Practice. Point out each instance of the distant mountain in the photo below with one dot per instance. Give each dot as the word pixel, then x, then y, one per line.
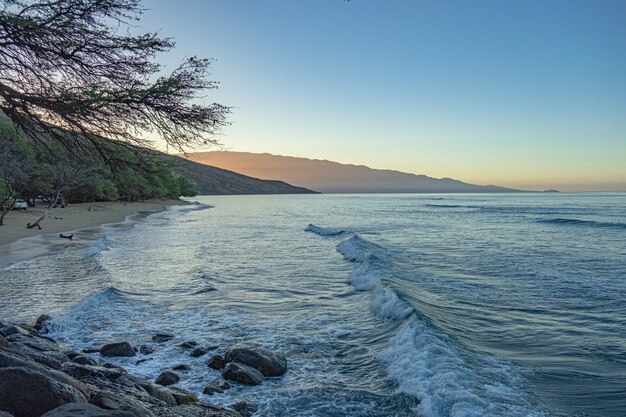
pixel 332 177
pixel 209 180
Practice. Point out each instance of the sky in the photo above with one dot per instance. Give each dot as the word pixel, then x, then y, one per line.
pixel 526 94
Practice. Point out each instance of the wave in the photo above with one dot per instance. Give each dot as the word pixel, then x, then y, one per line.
pixel 100 246
pixel 450 206
pixel 586 223
pixel 324 231
pixel 195 206
pixel 422 360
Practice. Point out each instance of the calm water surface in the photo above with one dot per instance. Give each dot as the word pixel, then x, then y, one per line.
pixel 387 305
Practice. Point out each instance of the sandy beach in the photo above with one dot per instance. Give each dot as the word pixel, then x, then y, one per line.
pixel 74 217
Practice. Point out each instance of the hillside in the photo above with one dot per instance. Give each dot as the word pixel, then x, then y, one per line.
pixel 332 177
pixel 209 180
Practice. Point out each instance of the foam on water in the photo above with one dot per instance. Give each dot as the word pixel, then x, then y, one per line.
pixel 324 231
pixel 422 360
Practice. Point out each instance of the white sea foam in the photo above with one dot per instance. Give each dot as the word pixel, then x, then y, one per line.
pixel 324 231
pixel 424 363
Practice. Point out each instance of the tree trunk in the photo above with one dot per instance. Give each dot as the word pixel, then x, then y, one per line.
pixel 45 213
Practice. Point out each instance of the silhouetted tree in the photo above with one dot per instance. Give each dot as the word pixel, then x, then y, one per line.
pixel 70 70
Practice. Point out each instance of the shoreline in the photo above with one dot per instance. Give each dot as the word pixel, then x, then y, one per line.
pixel 74 217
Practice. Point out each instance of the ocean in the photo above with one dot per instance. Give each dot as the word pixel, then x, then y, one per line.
pixel 384 305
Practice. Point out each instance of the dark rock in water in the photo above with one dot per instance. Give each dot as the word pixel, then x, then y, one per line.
pixel 40 343
pixel 146 350
pixel 27 393
pixel 90 349
pixel 217 385
pixel 244 409
pixel 181 396
pixel 188 345
pixel 117 349
pixel 85 410
pixel 40 324
pixel 155 391
pixel 266 362
pixel 111 401
pixel 181 367
pixel 143 360
pixel 242 373
pixel 167 377
pixel 197 352
pixel 83 360
pixel 12 329
pixel 71 354
pixel 162 337
pixel 217 362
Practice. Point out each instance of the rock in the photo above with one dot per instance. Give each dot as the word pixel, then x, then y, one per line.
pixel 71 354
pixel 242 373
pixel 37 342
pixel 162 337
pixel 167 377
pixel 40 324
pixel 188 345
pixel 27 393
pixel 244 409
pixel 217 362
pixel 83 360
pixel 266 362
pixel 28 328
pixel 196 410
pixel 197 352
pixel 155 391
pixel 85 410
pixel 78 371
pixel 143 360
pixel 146 350
pixel 117 349
pixel 3 342
pixel 217 385
pixel 90 349
pixel 181 396
pixel 11 359
pixel 12 329
pixel 111 401
pixel 182 367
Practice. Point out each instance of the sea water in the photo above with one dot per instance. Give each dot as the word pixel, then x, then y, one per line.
pixel 384 305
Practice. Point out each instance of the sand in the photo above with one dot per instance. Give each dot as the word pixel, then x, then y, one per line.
pixel 73 217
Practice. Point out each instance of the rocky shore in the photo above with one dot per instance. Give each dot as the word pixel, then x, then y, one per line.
pixel 40 377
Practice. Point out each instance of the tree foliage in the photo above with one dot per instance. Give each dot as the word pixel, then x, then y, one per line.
pixel 71 71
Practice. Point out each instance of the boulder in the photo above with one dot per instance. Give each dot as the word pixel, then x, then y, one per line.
pixel 162 337
pixel 37 342
pixel 146 350
pixel 78 371
pixel 217 385
pixel 83 360
pixel 153 390
pixel 266 362
pixel 11 359
pixel 12 329
pixel 90 349
pixel 181 396
pixel 28 393
pixel 216 362
pixel 117 349
pixel 189 344
pixel 40 324
pixel 244 409
pixel 167 377
pixel 242 373
pixel 111 401
pixel 181 367
pixel 85 410
pixel 199 351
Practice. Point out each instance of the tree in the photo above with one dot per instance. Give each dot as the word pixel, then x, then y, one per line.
pixel 71 71
pixel 15 167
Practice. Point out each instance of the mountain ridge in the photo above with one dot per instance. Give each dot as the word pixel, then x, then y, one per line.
pixel 333 177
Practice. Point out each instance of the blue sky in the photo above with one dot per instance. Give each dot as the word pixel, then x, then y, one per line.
pixel 526 94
